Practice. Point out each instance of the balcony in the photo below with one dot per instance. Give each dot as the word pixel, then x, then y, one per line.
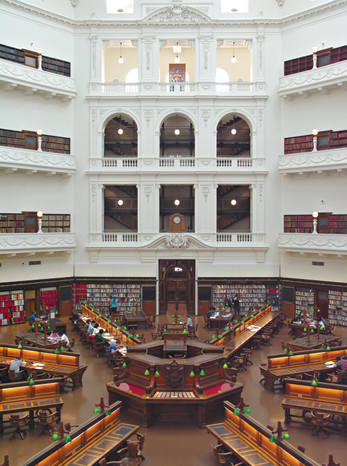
pixel 321 79
pixel 34 81
pixel 192 89
pixel 34 243
pixel 318 161
pixel 15 160
pixel 178 164
pixel 205 243
pixel 306 243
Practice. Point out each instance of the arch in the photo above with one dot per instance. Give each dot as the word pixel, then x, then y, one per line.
pixel 173 112
pixel 132 76
pixel 222 76
pixel 240 113
pixel 112 113
pixel 233 136
pixel 180 144
pixel 121 136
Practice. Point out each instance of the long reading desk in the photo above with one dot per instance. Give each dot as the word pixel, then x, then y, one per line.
pixel 250 442
pixel 325 398
pixel 95 439
pixel 280 366
pixel 61 364
pixel 21 397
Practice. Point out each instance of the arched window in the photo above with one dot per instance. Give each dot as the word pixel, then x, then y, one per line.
pixel 132 76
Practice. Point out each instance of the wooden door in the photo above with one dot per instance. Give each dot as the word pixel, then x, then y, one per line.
pixel 322 303
pixel 177 286
pixel 30 222
pixel 204 299
pixel 149 300
pixel 288 301
pixel 323 222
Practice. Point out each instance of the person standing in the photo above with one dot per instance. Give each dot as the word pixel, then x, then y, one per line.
pixel 114 301
pixel 189 323
pixel 236 303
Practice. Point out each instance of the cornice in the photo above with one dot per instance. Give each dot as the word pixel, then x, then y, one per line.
pixel 211 22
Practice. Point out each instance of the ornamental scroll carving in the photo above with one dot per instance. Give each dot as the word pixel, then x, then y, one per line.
pixel 174 374
pixel 176 241
pixel 178 14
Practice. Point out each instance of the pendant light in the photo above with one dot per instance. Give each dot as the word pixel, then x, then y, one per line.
pixel 177 59
pixel 233 60
pixel 177 131
pixel 120 59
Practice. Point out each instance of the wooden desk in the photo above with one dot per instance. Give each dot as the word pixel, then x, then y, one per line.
pixel 62 364
pixel 174 346
pixel 149 372
pixel 39 341
pixel 21 397
pixel 138 321
pixel 111 327
pixel 301 344
pixel 250 442
pixel 220 321
pixel 96 439
pixel 326 398
pixel 297 328
pixel 281 366
pixel 60 325
pixel 237 337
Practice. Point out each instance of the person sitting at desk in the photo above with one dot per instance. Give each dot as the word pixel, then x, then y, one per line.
pixel 341 364
pixel 86 326
pixel 91 327
pixel 63 337
pixel 99 338
pixel 189 323
pixel 114 347
pixel 32 317
pixel 16 365
pixel 211 312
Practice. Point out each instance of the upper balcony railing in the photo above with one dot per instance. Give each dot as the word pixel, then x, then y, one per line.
pixel 178 163
pixel 34 243
pixel 241 89
pixel 318 72
pixel 306 243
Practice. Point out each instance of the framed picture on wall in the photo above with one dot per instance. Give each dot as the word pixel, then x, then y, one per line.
pixel 177 73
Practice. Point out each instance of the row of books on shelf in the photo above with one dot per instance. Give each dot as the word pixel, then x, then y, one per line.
pixel 90 286
pixel 237 287
pixel 14 320
pixel 18 302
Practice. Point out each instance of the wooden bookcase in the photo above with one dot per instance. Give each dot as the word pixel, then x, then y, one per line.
pixel 11 223
pixel 30 58
pixel 324 57
pixel 325 140
pixel 56 223
pixel 12 307
pixel 337 224
pixel 28 140
pixel 250 295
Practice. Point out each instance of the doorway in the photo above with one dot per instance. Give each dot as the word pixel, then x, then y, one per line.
pixel 322 303
pixel 177 286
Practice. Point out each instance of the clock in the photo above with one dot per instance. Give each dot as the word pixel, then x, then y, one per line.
pixel 177 219
pixel 176 223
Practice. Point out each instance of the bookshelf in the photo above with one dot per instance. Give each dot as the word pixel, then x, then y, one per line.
pixel 304 300
pixel 324 57
pixel 337 307
pixel 52 65
pixel 99 295
pixel 48 298
pixel 28 140
pixel 325 140
pixel 250 296
pixel 303 224
pixel 11 223
pixel 12 307
pixel 55 223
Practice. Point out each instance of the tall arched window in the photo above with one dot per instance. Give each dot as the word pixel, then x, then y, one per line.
pixel 121 137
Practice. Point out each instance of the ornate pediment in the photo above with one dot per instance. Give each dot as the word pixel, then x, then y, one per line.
pixel 174 374
pixel 177 241
pixel 177 14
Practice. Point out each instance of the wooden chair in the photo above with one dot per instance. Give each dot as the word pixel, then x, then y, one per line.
pixel 224 457
pixel 241 362
pixel 46 419
pixel 207 324
pixel 141 442
pixel 256 340
pixel 330 329
pixel 18 422
pixel 320 421
pixel 130 452
pixel 39 375
pixel 150 322
pixel 16 376
pixel 99 348
pixel 155 335
pixel 72 344
pixel 334 378
pixel 3 374
pixel 247 353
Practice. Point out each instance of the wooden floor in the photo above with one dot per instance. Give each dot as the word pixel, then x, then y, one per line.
pixel 174 444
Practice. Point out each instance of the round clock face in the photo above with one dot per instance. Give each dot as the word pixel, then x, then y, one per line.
pixel 177 220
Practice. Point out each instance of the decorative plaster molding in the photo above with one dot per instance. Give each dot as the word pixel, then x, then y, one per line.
pixel 74 2
pixel 334 159
pixel 206 191
pixel 177 14
pixel 27 241
pixel 325 75
pixel 280 2
pixel 26 76
pixel 35 159
pixel 324 244
pixel 177 241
